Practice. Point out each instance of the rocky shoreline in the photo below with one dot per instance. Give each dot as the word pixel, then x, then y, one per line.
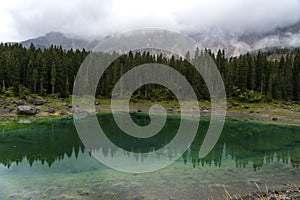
pixel 39 107
pixel 285 193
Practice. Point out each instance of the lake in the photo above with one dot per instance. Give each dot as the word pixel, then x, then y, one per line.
pixel 48 161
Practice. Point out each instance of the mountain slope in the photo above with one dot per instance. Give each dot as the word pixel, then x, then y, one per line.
pixel 214 39
pixel 234 44
pixel 59 39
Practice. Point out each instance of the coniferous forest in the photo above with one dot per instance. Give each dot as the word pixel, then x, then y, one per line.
pixel 250 78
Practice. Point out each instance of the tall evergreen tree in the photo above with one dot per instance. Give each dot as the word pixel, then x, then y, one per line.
pixel 53 77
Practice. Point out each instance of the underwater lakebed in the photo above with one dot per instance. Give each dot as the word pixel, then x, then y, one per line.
pixel 48 161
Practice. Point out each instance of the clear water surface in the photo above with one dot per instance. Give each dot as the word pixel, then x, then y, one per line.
pixel 48 161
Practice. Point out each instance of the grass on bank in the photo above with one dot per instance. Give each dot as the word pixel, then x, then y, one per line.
pixel 268 110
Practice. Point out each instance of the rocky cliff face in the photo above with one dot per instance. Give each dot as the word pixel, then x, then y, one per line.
pixel 236 44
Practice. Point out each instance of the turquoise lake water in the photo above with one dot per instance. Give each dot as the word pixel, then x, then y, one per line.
pixel 48 161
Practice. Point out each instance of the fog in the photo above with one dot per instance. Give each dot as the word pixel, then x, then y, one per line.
pixel 23 19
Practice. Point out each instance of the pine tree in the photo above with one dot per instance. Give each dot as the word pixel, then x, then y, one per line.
pixel 260 65
pixel 53 77
pixel 296 77
pixel 288 79
pixel 276 82
pixel 251 72
pixel 35 76
pixel 242 73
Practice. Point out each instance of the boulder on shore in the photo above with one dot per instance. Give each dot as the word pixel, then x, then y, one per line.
pixel 63 112
pixel 20 102
pixel 246 106
pixel 51 110
pixel 26 110
pixel 36 102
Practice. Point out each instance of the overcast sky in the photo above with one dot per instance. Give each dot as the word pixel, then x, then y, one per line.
pixel 23 19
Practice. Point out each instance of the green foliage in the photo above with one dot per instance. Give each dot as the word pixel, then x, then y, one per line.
pixel 9 92
pixel 247 95
pixel 249 78
pixel 23 92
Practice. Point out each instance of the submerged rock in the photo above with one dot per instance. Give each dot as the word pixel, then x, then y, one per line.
pixel 205 111
pixel 24 121
pixel 83 193
pixel 26 110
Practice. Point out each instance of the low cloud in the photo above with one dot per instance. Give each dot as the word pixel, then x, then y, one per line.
pixel 23 19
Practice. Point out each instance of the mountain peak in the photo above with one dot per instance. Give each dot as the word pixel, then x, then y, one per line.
pixel 59 39
pixel 54 34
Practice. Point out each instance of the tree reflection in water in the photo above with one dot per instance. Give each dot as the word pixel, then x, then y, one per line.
pixel 245 142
